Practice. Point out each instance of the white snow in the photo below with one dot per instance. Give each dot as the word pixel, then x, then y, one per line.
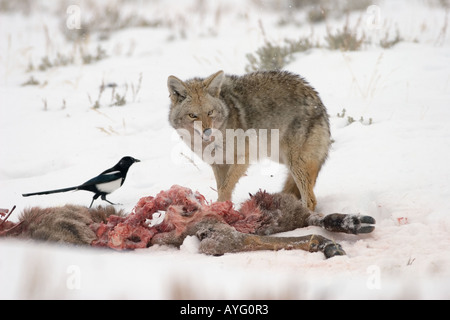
pixel 395 169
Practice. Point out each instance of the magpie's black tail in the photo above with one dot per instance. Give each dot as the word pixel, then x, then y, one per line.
pixel 49 192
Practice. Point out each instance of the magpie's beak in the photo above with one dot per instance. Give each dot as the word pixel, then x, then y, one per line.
pixel 137 160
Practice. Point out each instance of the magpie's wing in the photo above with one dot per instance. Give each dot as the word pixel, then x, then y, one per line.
pixel 110 170
pixel 103 178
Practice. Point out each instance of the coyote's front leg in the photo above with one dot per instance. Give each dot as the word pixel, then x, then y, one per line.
pixel 227 175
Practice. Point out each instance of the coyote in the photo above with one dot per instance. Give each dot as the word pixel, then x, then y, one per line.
pixel 269 100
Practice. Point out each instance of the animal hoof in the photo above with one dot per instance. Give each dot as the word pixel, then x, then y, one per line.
pixel 333 249
pixel 366 224
pixel 354 224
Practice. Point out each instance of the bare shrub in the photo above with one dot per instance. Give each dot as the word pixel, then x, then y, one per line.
pixel 275 57
pixel 345 39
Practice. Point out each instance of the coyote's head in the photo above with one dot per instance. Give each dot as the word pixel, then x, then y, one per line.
pixel 197 100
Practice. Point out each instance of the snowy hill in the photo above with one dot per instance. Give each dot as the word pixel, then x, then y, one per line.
pixel 74 101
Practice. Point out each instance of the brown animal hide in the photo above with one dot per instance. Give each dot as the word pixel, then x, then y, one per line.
pixel 70 223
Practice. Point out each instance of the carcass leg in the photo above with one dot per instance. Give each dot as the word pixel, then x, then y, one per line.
pixel 218 239
pixel 346 223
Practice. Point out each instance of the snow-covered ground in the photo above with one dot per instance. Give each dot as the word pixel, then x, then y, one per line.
pixel 395 169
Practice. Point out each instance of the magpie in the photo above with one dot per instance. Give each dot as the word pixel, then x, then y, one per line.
pixel 105 183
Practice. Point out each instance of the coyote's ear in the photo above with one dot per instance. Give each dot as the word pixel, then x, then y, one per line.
pixel 214 83
pixel 177 89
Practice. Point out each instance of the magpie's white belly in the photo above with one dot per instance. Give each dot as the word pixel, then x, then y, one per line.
pixel 109 186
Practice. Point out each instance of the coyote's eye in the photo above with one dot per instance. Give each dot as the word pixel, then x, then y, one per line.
pixel 192 116
pixel 210 113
